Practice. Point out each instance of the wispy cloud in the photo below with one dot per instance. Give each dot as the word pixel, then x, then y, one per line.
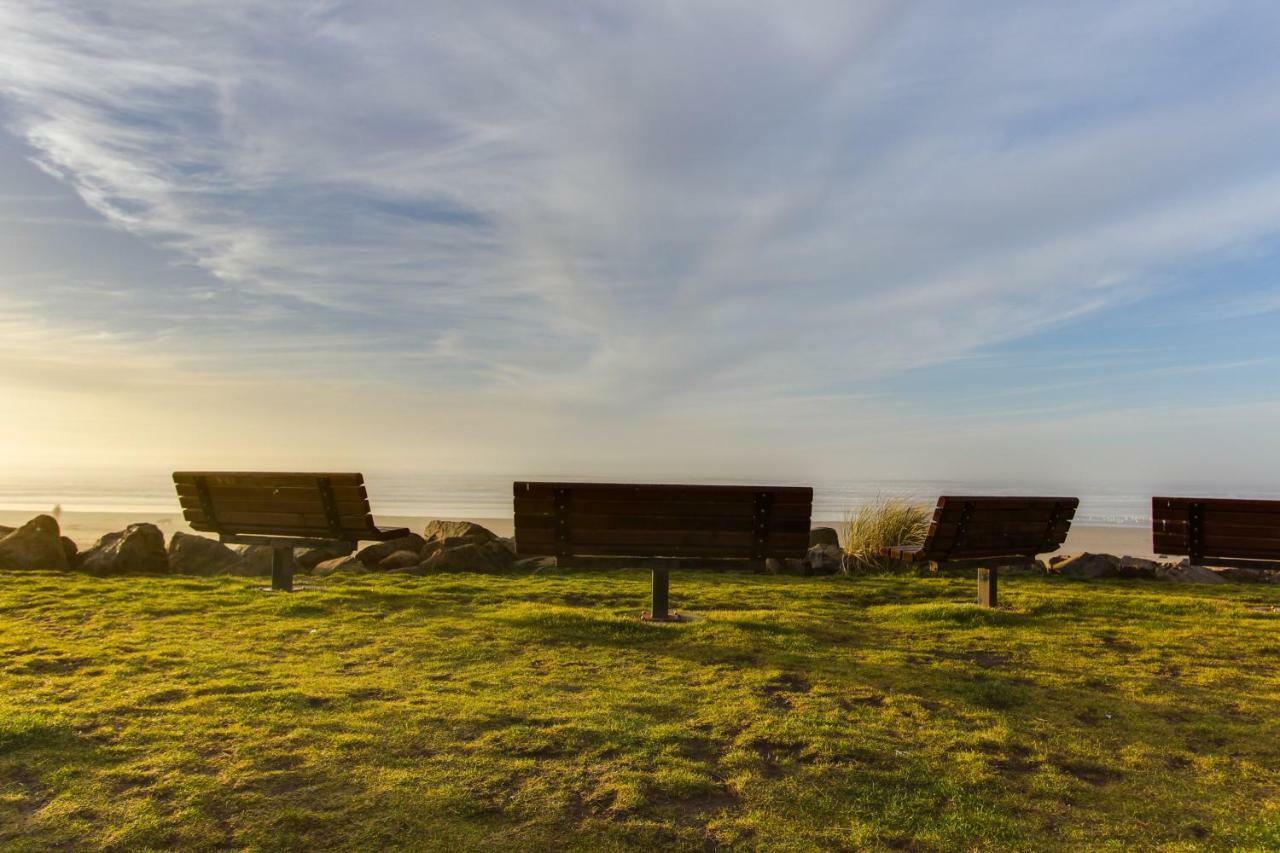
pixel 610 208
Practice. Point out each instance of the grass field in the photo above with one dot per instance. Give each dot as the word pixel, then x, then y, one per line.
pixel 524 713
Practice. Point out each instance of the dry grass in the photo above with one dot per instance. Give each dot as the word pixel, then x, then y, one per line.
pixel 883 523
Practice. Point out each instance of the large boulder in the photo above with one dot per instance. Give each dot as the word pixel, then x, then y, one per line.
pixel 199 555
pixel 35 545
pixel 466 530
pixel 824 536
pixel 374 554
pixel 1185 572
pixel 399 560
pixel 1138 567
pixel 349 564
pixel 825 559
pixel 486 558
pixel 1088 566
pixel 71 550
pixel 306 559
pixel 138 549
pixel 255 561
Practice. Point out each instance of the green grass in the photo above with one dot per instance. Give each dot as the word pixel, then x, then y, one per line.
pixel 464 712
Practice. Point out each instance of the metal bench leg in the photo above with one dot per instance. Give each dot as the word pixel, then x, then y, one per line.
pixel 282 568
pixel 661 586
pixel 986 587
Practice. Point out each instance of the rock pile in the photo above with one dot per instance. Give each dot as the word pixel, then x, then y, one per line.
pixel 457 546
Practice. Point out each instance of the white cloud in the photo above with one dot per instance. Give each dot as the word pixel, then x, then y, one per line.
pixel 604 212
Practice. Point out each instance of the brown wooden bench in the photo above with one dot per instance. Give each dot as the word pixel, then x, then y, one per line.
pixel 1218 531
pixel 989 532
pixel 282 510
pixel 698 524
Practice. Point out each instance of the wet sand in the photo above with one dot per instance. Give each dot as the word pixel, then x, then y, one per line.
pixel 85 527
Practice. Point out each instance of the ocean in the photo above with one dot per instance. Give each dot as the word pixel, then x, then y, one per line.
pixel 454 495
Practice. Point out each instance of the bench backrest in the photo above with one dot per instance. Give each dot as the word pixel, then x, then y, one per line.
pixel 1217 531
pixel 628 520
pixel 974 528
pixel 304 505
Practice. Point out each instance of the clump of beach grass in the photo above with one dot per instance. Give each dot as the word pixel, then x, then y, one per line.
pixel 885 522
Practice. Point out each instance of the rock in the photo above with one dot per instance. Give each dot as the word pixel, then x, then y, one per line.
pixel 1242 575
pixel 431 547
pixel 1185 572
pixel 306 559
pixel 825 559
pixel 138 549
pixel 349 564
pixel 35 545
pixel 5 531
pixel 824 536
pixel 415 569
pixel 535 564
pixel 774 566
pixel 255 561
pixel 1089 566
pixel 472 533
pixel 508 542
pixel 1032 567
pixel 1137 567
pixel 486 558
pixel 69 548
pixel 1058 558
pixel 199 555
pixel 399 560
pixel 374 554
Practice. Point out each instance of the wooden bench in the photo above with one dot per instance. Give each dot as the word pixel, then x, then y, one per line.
pixel 284 511
pixel 1241 534
pixel 702 524
pixel 989 532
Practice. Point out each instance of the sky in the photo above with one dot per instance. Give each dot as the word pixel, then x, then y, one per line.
pixel 1000 241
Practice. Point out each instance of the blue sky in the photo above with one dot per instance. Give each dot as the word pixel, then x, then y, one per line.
pixel 1015 241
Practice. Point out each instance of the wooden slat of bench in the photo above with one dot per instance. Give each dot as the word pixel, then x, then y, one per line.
pixel 266 493
pixel 308 521
pixel 661 522
pixel 266 479
pixel 654 509
pixel 646 552
pixel 313 507
pixel 953 512
pixel 663 492
pixel 1222 504
pixel 371 534
pixel 584 538
pixel 1216 518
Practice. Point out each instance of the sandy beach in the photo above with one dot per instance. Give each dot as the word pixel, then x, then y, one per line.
pixel 85 527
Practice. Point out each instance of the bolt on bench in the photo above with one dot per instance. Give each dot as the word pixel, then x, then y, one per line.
pixel 1242 534
pixel 989 532
pixel 705 525
pixel 281 510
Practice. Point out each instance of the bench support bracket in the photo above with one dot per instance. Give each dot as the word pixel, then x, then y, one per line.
pixel 987 587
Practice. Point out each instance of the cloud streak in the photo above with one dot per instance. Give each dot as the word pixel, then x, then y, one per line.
pixel 611 208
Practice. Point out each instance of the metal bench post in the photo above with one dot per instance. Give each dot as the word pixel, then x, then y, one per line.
pixel 661 586
pixel 282 568
pixel 987 587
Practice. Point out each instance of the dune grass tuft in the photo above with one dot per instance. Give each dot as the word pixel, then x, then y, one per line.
pixel 883 523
